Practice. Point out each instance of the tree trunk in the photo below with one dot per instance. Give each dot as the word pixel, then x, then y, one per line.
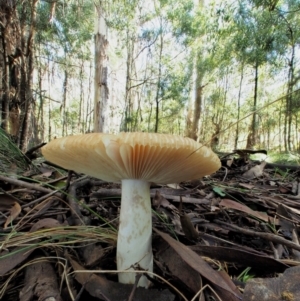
pixel 40 129
pixel 237 132
pixel 197 108
pixel 127 122
pixel 81 99
pixel 289 108
pixel 158 87
pixel 17 40
pixel 26 128
pixel 195 104
pixel 88 119
pixel 10 50
pixel 101 74
pixel 64 106
pixel 253 135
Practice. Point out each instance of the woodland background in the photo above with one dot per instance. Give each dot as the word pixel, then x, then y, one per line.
pixel 221 72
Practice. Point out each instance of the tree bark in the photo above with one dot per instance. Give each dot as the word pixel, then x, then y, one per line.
pixel 63 108
pixel 101 74
pixel 157 100
pixel 127 123
pixel 26 82
pixel 253 135
pixel 10 50
pixel 195 110
pixel 289 108
pixel 237 131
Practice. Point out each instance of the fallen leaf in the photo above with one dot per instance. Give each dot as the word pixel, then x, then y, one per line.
pixel 177 267
pixel 40 281
pixel 159 200
pixel 14 213
pixel 45 223
pixel 188 228
pixel 6 201
pixel 238 206
pixel 255 172
pixel 98 286
pixel 257 261
pixel 245 185
pixel 203 268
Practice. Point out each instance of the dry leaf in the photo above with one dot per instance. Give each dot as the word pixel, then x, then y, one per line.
pixel 248 186
pixel 40 280
pixel 177 267
pixel 255 172
pixel 203 268
pixel 188 227
pixel 101 288
pixel 6 201
pixel 238 206
pixel 45 223
pixel 14 213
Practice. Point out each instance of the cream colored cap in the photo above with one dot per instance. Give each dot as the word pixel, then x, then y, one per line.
pixel 159 158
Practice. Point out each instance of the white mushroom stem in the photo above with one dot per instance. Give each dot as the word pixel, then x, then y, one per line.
pixel 135 231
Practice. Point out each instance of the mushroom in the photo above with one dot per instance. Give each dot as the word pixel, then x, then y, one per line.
pixel 135 159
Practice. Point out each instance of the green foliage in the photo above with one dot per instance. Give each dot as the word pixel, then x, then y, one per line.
pixel 289 158
pixel 245 276
pixel 160 42
pixel 12 160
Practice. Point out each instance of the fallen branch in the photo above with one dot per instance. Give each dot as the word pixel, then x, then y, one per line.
pixel 267 236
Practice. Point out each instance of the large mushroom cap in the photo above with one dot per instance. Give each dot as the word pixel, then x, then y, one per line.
pixel 160 158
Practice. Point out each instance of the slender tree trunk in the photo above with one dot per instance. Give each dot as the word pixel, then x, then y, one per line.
pixel 191 100
pixel 127 123
pixel 40 117
pixel 194 113
pixel 150 116
pixel 64 106
pixel 280 127
pixel 197 108
pixel 253 135
pixel 101 74
pixel 81 98
pixel 10 49
pixel 297 144
pixel 237 132
pixel 158 87
pixel 88 114
pixel 5 82
pixel 50 104
pixel 289 101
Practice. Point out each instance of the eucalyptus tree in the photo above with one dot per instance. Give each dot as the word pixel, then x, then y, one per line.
pixel 101 89
pixel 289 14
pixel 148 56
pixel 64 47
pixel 256 40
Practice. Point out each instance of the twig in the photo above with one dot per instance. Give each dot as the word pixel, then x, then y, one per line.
pixel 25 184
pixel 40 199
pixel 137 279
pixel 79 293
pixel 267 236
pixel 73 201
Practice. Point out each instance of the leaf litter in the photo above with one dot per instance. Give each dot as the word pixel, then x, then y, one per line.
pixel 230 236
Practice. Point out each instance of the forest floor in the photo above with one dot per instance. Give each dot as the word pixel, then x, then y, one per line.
pixel 230 236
